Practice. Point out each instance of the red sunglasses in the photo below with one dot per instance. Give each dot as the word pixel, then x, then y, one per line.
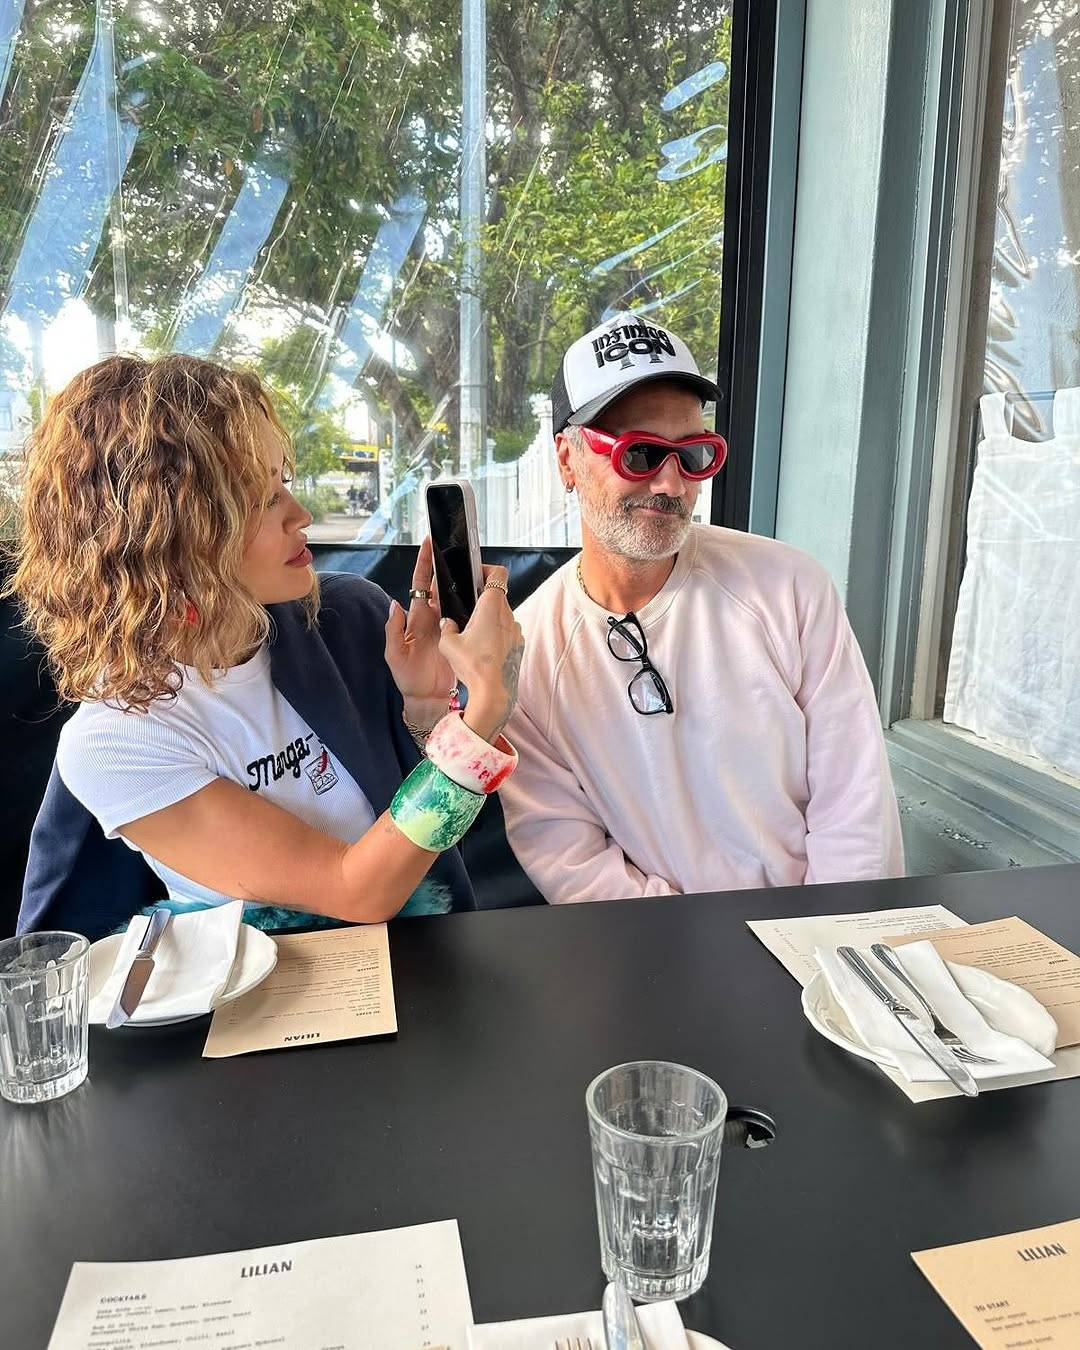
pixel 638 455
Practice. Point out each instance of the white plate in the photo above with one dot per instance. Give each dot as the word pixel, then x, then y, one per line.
pixel 256 957
pixel 826 1016
pixel 1005 1006
pixel 699 1341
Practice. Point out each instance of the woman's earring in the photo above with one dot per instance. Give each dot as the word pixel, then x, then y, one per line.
pixel 191 614
pixel 569 487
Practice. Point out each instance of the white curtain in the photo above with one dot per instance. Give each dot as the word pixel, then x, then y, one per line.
pixel 1014 667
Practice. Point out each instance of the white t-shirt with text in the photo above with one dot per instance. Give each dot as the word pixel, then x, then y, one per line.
pixel 124 765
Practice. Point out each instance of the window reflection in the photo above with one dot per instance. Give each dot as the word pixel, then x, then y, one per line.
pixel 277 183
pixel 1014 661
pixel 1034 318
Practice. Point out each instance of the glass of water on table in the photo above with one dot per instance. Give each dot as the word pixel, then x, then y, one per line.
pixel 656 1131
pixel 43 1015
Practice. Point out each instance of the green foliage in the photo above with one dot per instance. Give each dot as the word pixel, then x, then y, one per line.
pixel 320 500
pixel 510 443
pixel 356 102
pixel 316 438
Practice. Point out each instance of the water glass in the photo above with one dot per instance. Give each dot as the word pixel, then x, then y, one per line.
pixel 656 1132
pixel 43 1012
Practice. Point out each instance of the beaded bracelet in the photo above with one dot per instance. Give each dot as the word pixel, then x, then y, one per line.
pixel 433 811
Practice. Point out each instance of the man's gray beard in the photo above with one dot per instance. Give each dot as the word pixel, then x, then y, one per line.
pixel 631 535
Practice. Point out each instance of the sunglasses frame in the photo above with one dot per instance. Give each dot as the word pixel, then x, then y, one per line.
pixel 617 447
pixel 633 634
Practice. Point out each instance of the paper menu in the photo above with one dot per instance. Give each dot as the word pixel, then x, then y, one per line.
pixel 792 941
pixel 403 1289
pixel 1013 950
pixel 1022 1289
pixel 327 986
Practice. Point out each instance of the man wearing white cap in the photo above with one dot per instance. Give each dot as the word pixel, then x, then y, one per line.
pixel 693 712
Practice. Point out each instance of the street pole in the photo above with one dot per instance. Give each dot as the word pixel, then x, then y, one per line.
pixel 110 115
pixel 472 378
pixel 395 513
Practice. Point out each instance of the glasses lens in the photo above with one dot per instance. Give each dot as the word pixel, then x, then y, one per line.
pixel 625 641
pixel 697 458
pixel 647 693
pixel 643 457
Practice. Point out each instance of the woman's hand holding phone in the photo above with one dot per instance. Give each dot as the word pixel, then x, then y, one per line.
pixel 486 656
pixel 422 674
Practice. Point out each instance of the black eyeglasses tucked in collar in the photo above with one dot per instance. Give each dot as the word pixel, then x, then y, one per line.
pixel 647 690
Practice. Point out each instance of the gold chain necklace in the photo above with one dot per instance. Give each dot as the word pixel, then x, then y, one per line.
pixel 581 579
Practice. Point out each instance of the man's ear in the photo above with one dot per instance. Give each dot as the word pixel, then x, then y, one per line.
pixel 564 453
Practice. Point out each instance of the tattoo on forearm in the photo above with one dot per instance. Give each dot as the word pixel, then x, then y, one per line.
pixel 510 672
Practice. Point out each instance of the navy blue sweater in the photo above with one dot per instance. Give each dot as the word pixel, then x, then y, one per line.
pixel 337 680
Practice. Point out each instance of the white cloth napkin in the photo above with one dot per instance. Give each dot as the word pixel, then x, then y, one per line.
pixel 882 1033
pixel 661 1327
pixel 192 964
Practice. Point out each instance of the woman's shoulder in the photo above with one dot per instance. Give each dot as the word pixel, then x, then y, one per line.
pixel 94 718
pixel 351 608
pixel 345 593
pixel 352 611
pixel 101 743
pixel 103 725
pixel 349 626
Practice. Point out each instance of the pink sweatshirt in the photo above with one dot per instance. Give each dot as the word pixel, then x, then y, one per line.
pixel 771 772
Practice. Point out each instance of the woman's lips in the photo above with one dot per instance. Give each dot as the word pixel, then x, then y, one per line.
pixel 301 559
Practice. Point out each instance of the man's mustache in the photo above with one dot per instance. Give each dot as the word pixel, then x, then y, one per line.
pixel 659 502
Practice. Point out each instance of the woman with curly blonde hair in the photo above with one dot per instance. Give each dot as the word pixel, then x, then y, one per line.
pixel 241 731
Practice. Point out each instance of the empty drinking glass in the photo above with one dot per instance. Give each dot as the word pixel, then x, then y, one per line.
pixel 43 1011
pixel 656 1132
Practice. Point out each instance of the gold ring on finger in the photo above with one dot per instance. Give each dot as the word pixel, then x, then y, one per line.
pixel 418 593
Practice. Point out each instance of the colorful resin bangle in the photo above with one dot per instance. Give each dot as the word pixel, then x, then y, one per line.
pixel 432 810
pixel 466 758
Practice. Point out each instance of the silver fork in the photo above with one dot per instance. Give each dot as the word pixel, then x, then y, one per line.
pixel 888 959
pixel 576 1344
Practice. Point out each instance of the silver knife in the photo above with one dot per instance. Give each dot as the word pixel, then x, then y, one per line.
pixel 621 1327
pixel 942 1056
pixel 891 963
pixel 140 970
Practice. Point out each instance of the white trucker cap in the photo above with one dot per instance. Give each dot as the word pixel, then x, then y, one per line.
pixel 614 357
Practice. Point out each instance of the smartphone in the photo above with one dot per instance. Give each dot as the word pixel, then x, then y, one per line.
pixel 455 547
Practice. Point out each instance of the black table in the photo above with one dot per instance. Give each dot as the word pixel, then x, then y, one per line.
pixel 476 1112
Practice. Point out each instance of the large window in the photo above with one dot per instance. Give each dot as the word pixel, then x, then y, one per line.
pixel 1012 673
pixel 281 184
